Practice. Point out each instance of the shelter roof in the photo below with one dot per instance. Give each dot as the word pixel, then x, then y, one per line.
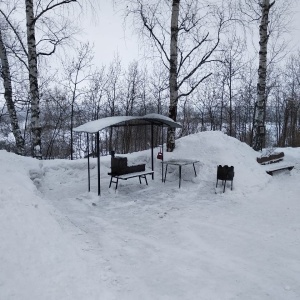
pixel 97 125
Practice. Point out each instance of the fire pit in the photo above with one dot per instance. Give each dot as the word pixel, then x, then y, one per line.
pixel 225 174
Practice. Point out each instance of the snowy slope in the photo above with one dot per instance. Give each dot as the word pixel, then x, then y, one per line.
pixel 155 241
pixel 38 260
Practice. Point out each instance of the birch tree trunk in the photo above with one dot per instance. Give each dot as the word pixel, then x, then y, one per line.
pixel 259 117
pixel 5 73
pixel 173 73
pixel 33 81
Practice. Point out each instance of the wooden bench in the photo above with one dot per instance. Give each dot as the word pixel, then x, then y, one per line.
pixel 270 159
pixel 127 176
pixel 280 168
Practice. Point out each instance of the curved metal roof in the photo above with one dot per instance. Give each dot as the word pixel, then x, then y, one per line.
pixel 97 125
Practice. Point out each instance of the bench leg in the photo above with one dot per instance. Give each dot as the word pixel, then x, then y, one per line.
pixel 116 182
pixel 224 186
pixel 195 170
pixel 145 177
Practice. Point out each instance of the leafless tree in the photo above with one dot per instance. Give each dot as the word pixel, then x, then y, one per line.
pixel 42 20
pixel 192 37
pixel 113 94
pixel 78 72
pixel 259 117
pixel 233 61
pixel 8 95
pixel 274 20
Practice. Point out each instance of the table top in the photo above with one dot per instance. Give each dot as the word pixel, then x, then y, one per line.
pixel 179 161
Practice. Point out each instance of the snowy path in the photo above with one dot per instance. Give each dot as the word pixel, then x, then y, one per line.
pixel 159 242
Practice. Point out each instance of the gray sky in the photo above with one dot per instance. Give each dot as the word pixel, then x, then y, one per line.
pixel 110 38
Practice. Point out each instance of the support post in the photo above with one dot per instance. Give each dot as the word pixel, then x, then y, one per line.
pixel 152 160
pixel 162 151
pixel 98 163
pixel 88 157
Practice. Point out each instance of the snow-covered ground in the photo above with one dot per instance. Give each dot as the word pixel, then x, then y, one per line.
pixel 151 242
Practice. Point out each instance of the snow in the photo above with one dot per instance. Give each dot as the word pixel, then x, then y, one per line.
pixel 97 125
pixel 151 242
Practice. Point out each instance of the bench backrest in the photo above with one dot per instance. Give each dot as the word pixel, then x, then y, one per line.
pixel 119 166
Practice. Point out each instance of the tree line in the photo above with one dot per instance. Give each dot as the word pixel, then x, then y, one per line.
pixel 213 85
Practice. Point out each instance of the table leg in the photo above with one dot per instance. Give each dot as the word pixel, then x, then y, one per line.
pixel 179 176
pixel 194 169
pixel 166 172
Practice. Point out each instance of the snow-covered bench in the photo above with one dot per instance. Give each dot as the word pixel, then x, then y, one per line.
pixel 120 170
pixel 270 159
pixel 127 176
pixel 280 168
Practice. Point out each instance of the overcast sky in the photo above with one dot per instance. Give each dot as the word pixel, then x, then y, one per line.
pixel 110 38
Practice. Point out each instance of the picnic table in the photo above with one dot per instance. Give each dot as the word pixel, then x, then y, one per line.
pixel 179 163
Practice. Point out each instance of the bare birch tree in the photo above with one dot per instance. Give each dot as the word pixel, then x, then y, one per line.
pixel 185 34
pixel 258 126
pixel 8 95
pixel 31 20
pixel 274 24
pixel 173 73
pixel 42 16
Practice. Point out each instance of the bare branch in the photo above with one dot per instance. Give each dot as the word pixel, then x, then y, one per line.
pixel 51 6
pixel 159 44
pixel 194 86
pixel 14 30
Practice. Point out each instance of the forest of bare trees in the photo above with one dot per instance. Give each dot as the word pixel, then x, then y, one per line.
pixel 212 73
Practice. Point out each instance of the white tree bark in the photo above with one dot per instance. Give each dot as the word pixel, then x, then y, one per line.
pixel 173 73
pixel 9 99
pixel 259 118
pixel 33 81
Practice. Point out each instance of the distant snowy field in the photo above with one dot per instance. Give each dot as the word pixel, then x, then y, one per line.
pixel 151 242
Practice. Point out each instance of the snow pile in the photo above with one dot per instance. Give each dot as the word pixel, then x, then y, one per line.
pixel 37 259
pixel 215 148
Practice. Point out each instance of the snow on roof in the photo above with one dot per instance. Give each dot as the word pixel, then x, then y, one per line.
pixel 97 125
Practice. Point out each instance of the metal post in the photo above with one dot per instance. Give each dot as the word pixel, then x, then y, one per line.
pixel 152 161
pixel 179 175
pixel 98 163
pixel 162 151
pixel 88 157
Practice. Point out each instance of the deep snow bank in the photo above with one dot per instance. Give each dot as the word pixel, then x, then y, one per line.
pixel 37 259
pixel 213 148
